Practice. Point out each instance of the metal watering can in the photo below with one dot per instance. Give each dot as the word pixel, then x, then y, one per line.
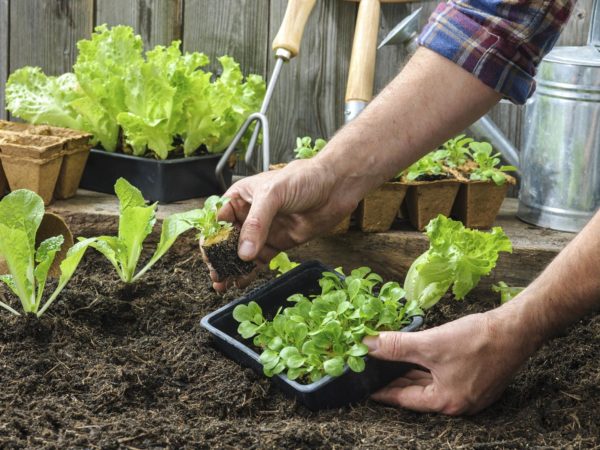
pixel 560 161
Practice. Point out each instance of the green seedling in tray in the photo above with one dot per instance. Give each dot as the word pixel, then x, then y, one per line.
pixel 21 213
pixel 282 264
pixel 305 148
pixel 488 164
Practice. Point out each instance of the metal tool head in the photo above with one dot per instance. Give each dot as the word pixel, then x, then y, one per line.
pixel 405 32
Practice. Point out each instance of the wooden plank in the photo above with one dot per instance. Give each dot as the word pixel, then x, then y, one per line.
pixel 4 46
pixel 45 33
pixel 238 28
pixel 158 21
pixel 389 254
pixel 576 30
pixel 309 98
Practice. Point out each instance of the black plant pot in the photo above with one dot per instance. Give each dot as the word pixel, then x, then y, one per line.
pixel 161 181
pixel 328 392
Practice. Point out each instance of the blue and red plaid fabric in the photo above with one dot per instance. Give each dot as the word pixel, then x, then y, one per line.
pixel 501 42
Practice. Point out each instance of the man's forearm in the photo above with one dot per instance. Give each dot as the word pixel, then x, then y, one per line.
pixel 568 289
pixel 431 100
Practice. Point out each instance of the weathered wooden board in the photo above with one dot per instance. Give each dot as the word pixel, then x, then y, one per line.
pixel 389 254
pixel 309 99
pixel 158 21
pixel 4 46
pixel 45 33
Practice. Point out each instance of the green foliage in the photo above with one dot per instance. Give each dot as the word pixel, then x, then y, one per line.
pixel 207 222
pixel 305 148
pixel 487 164
pixel 507 293
pixel 321 335
pixel 281 262
pixel 157 99
pixel 21 213
pixel 136 222
pixel 428 165
pixel 455 152
pixel 457 257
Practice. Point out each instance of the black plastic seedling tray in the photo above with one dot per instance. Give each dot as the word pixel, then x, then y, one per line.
pixel 328 392
pixel 163 181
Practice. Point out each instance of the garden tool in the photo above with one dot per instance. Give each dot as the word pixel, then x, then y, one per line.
pixel 51 225
pixel 359 91
pixel 286 46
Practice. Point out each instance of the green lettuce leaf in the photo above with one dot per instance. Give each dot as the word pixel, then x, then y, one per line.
pixel 44 257
pixel 40 99
pixel 457 257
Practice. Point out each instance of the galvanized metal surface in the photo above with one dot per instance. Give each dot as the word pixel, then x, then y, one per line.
pixel 560 163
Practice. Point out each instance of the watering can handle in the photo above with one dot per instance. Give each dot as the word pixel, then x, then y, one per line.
pixel 292 28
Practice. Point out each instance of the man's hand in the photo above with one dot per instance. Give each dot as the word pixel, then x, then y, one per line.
pixel 469 363
pixel 283 208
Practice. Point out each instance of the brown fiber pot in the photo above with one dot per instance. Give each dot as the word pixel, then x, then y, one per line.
pixel 425 200
pixel 478 202
pixel 32 162
pixel 341 227
pixel 3 182
pixel 377 211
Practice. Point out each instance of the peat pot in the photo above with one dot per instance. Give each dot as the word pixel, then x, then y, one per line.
pixel 478 202
pixel 328 392
pixel 164 181
pixel 425 200
pixel 379 208
pixel 560 164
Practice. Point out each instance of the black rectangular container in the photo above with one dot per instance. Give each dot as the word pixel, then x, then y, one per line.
pixel 163 181
pixel 328 392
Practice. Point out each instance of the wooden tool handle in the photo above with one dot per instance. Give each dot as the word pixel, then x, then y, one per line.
pixel 292 28
pixel 362 62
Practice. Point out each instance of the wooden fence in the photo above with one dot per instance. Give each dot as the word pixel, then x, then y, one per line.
pixel 309 99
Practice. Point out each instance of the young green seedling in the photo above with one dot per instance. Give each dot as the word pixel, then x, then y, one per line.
pixel 455 152
pixel 507 293
pixel 487 164
pixel 219 241
pixel 281 262
pixel 136 222
pixel 304 148
pixel 428 167
pixel 322 335
pixel 21 214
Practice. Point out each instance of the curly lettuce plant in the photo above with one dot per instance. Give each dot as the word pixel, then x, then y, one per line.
pixel 305 148
pixel 488 164
pixel 322 335
pixel 457 258
pixel 136 222
pixel 159 99
pixel 21 213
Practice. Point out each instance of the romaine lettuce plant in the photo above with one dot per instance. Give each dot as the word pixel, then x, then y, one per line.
pixel 488 164
pixel 282 264
pixel 457 257
pixel 136 222
pixel 319 336
pixel 21 213
pixel 305 148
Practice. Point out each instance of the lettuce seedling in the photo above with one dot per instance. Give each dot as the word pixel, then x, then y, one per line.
pixel 457 257
pixel 304 148
pixel 507 293
pixel 487 164
pixel 136 222
pixel 430 165
pixel 321 335
pixel 455 152
pixel 219 241
pixel 281 262
pixel 21 213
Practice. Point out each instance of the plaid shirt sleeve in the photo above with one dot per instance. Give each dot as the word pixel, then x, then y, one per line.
pixel 501 42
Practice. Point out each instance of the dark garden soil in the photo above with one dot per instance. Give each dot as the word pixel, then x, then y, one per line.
pixel 112 368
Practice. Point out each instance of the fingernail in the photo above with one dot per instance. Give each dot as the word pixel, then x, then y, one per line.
pixel 246 250
pixel 371 342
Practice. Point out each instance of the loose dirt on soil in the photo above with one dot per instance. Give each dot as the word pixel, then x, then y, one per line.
pixel 110 367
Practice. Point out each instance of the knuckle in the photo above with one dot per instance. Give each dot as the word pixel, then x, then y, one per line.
pixel 392 343
pixel 253 225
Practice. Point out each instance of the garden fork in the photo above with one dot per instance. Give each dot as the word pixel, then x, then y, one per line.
pixel 286 46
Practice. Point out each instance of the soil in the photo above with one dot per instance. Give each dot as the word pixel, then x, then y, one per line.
pixel 223 256
pixel 112 367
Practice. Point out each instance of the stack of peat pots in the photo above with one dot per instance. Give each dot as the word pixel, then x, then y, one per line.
pixel 43 159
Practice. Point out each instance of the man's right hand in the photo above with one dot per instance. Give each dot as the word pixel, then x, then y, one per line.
pixel 282 208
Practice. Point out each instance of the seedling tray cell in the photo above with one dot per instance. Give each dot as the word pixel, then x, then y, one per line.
pixel 328 392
